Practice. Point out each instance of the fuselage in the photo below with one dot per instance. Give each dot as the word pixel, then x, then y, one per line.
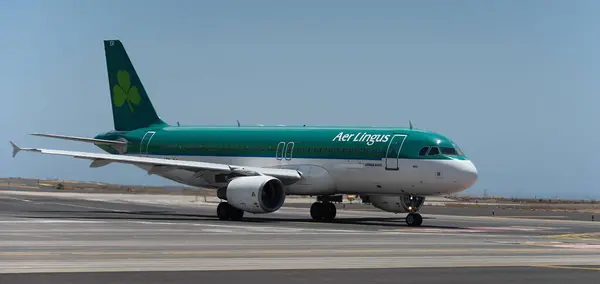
pixel 332 160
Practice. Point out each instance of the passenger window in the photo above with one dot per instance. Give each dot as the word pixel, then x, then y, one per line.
pixel 423 151
pixel 434 151
pixel 449 151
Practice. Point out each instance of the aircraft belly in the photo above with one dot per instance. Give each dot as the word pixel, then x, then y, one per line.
pixel 327 177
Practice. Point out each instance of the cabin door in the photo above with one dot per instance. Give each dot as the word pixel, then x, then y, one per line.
pixel 145 143
pixel 284 151
pixel 393 152
pixel 280 150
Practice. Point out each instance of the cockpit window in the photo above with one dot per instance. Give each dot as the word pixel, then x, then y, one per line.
pixel 458 150
pixel 423 151
pixel 448 151
pixel 434 151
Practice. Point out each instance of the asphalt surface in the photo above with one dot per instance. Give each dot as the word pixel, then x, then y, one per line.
pixel 484 210
pixel 478 275
pixel 59 240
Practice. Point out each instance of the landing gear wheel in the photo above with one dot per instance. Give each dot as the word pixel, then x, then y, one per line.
pixel 316 211
pixel 330 211
pixel 414 219
pixel 323 211
pixel 236 214
pixel 223 211
pixel 227 212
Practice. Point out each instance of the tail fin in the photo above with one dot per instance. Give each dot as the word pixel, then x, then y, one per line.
pixel 131 106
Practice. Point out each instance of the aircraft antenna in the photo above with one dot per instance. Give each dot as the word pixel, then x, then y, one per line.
pixel 410 123
pixel 238 121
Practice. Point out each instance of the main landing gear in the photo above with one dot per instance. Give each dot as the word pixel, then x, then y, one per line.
pixel 324 211
pixel 227 212
pixel 414 219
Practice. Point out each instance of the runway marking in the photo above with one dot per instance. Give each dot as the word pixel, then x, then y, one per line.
pixel 48 221
pixel 87 207
pixel 245 227
pixel 579 246
pixel 583 236
pixel 204 227
pixel 473 229
pixel 567 267
pixel 14 198
pixel 258 230
pixel 24 186
pixel 431 230
pixel 328 252
pixel 467 219
pixel 537 216
pixel 67 204
pixel 513 228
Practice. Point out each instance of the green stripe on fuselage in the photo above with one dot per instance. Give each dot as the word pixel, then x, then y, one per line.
pixel 262 141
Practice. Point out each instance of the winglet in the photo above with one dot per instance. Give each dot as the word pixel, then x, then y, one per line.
pixel 16 149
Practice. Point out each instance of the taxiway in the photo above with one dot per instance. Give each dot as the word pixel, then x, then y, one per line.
pixel 99 239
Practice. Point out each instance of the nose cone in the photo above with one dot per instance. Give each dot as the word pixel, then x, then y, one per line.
pixel 467 173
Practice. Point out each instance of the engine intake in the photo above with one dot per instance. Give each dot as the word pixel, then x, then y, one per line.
pixel 256 194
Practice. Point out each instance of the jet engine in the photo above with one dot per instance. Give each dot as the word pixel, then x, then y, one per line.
pixel 397 204
pixel 255 194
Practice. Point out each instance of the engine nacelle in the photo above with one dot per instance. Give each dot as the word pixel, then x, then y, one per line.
pixel 256 194
pixel 397 204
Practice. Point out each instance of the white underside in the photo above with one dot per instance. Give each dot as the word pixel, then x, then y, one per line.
pixel 336 176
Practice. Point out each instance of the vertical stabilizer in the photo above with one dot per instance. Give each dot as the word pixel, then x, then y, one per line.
pixel 131 105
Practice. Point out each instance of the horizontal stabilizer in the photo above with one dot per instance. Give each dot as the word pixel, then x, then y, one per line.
pixel 82 139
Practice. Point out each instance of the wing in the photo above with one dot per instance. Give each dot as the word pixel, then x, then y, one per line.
pixel 100 159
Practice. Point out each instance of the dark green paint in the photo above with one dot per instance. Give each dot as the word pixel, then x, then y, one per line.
pixel 263 142
pixel 134 116
pixel 131 106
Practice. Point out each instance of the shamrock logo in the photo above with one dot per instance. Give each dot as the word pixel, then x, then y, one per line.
pixel 125 92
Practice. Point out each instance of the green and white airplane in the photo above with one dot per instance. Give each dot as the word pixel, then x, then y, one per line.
pixel 254 168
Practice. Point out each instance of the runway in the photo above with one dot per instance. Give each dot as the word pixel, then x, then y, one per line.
pixel 97 241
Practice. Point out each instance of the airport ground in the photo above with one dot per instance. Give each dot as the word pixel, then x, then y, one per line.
pixel 58 237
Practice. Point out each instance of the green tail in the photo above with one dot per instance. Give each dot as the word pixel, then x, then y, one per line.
pixel 131 106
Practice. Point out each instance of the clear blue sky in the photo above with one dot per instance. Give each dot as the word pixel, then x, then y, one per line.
pixel 514 83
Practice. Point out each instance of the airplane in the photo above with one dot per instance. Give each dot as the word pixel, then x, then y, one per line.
pixel 254 168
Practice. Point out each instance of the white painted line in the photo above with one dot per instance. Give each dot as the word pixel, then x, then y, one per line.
pixel 49 221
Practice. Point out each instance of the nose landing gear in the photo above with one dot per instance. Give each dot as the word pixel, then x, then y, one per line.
pixel 413 202
pixel 414 219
